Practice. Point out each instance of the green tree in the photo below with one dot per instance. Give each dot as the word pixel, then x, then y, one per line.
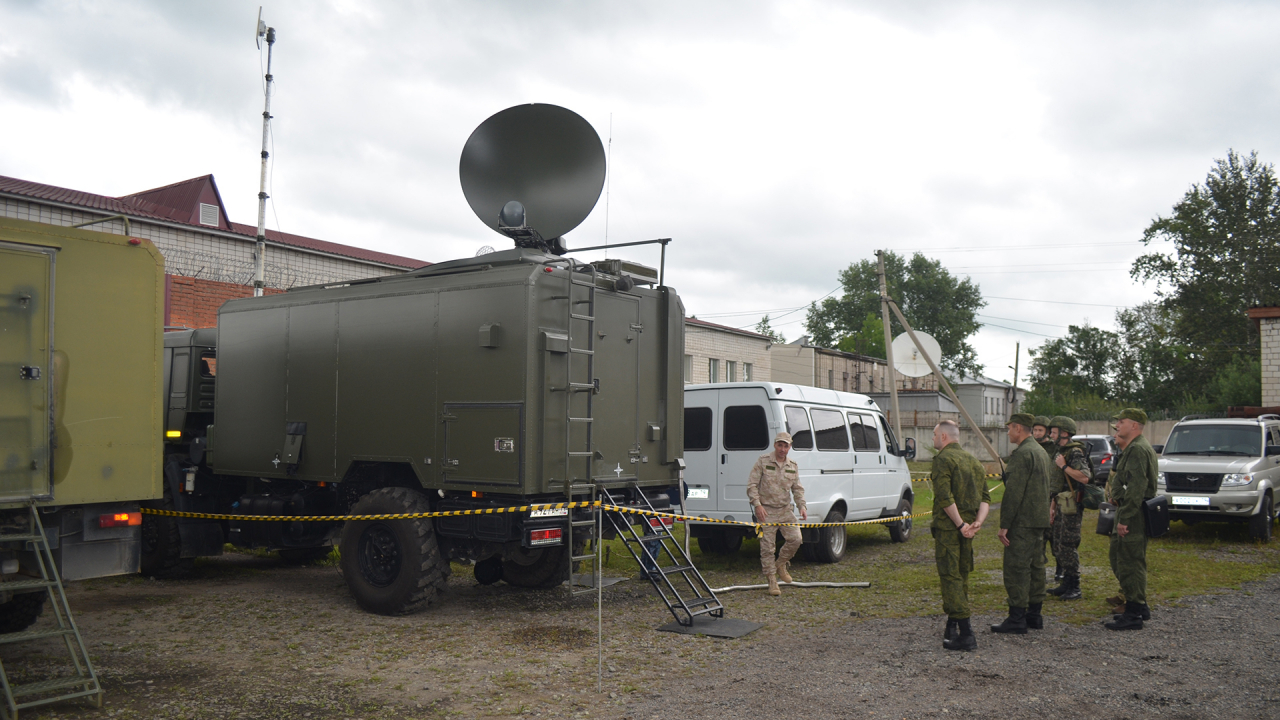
pixel 1081 363
pixel 869 340
pixel 932 299
pixel 764 328
pixel 1224 240
pixel 1151 360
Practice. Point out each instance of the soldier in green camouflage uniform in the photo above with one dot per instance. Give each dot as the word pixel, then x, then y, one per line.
pixel 1068 472
pixel 961 501
pixel 1024 517
pixel 1040 433
pixel 1132 481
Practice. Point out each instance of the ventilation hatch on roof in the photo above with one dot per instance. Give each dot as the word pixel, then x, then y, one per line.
pixel 208 214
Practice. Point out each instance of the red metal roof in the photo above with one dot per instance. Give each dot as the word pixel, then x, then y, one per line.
pixel 179 203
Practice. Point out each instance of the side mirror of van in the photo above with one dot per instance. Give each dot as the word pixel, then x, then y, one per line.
pixel 1158 448
pixel 909 448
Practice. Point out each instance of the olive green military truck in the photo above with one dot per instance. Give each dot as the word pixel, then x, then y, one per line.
pixel 80 418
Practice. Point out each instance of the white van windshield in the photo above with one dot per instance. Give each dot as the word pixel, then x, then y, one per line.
pixel 798 426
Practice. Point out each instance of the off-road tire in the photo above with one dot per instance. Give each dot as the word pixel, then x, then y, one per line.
pixel 543 567
pixel 21 612
pixel 392 567
pixel 1260 524
pixel 161 540
pixel 720 542
pixel 900 530
pixel 832 541
pixel 303 556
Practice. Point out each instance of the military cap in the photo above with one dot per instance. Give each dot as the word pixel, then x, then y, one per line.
pixel 783 437
pixel 1025 419
pixel 1062 422
pixel 1041 420
pixel 1134 414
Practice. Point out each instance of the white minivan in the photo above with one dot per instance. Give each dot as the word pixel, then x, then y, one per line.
pixel 850 463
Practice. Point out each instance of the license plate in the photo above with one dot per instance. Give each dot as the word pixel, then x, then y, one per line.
pixel 549 512
pixel 699 493
pixel 1187 500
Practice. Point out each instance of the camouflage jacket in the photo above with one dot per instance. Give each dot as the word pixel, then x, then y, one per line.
pixel 1132 481
pixel 1026 488
pixel 1073 453
pixel 774 484
pixel 960 480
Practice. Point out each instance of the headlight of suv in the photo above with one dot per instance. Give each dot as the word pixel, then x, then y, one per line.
pixel 1160 480
pixel 1236 479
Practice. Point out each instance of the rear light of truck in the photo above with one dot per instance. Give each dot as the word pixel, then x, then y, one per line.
pixel 655 522
pixel 547 536
pixel 111 520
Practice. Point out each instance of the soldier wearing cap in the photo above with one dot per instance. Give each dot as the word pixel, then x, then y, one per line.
pixel 961 501
pixel 1068 473
pixel 1131 483
pixel 1024 517
pixel 772 485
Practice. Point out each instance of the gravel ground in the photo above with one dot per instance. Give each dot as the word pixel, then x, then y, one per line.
pixel 248 637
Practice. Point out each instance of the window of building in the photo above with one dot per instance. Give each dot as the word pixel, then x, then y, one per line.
pixel 828 426
pixel 208 214
pixel 747 375
pixel 713 371
pixel 688 368
pixel 798 426
pixel 730 371
pixel 697 428
pixel 746 428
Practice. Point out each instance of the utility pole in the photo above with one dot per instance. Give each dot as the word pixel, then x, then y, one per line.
pixel 890 372
pixel 1013 402
pixel 260 258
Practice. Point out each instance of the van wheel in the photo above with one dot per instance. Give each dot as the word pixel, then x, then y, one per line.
pixel 1260 524
pixel 721 542
pixel 832 541
pixel 392 567
pixel 900 530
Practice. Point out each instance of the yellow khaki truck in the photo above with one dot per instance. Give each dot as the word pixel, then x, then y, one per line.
pixel 81 318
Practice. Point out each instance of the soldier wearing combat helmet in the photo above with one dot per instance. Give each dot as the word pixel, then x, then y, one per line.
pixel 1068 474
pixel 1040 433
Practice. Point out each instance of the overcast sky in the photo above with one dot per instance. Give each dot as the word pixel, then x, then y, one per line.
pixel 1026 145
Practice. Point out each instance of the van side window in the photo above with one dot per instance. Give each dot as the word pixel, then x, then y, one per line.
pixel 745 428
pixel 697 428
pixel 888 436
pixel 798 426
pixel 863 430
pixel 828 426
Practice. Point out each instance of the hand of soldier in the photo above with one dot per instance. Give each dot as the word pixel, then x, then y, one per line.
pixel 804 514
pixel 969 531
pixel 1122 530
pixel 1059 461
pixel 1004 537
pixel 1053 509
pixel 761 515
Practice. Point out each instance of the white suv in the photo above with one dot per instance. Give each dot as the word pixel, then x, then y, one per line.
pixel 1223 469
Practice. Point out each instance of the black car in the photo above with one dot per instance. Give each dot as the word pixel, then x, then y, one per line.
pixel 1103 454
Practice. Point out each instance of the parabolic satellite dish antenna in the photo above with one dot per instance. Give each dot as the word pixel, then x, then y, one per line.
pixel 907 359
pixel 533 173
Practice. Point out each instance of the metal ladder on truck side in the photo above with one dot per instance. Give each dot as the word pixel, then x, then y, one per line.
pixel 662 558
pixel 84 681
pixel 585 485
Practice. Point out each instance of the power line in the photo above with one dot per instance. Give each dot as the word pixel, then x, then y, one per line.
pixel 1027 332
pixel 1057 302
pixel 1033 322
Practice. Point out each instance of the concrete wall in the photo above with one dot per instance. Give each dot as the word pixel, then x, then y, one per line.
pixel 968 440
pixel 1157 431
pixel 1270 335
pixel 792 364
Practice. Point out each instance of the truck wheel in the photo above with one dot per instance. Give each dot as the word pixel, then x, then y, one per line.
pixel 543 567
pixel 303 556
pixel 489 570
pixel 392 567
pixel 900 530
pixel 1260 524
pixel 831 540
pixel 21 612
pixel 161 541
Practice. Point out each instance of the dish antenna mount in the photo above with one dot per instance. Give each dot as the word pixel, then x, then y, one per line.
pixel 907 359
pixel 533 173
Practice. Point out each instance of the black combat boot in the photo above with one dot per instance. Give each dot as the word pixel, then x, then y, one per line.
pixel 952 632
pixel 1063 586
pixel 1130 620
pixel 1145 611
pixel 965 640
pixel 1016 623
pixel 1072 592
pixel 1035 620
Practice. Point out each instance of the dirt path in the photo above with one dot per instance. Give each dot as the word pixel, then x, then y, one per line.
pixel 247 637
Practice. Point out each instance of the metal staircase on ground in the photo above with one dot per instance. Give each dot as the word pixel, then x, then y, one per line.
pixel 84 681
pixel 663 560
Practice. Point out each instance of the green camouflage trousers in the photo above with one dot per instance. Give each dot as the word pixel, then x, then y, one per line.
pixel 1024 566
pixel 954 553
pixel 768 540
pixel 1129 563
pixel 1066 542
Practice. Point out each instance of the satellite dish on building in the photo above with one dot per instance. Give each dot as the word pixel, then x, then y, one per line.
pixel 907 359
pixel 533 173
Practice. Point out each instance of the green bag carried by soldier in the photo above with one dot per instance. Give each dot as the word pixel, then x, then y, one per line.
pixel 1067 502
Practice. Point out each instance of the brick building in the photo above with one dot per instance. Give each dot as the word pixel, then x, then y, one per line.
pixel 208 258
pixel 718 353
pixel 1268 321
